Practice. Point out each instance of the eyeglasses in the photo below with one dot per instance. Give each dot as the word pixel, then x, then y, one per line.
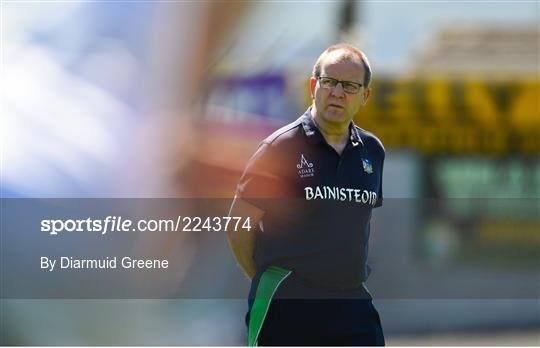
pixel 348 86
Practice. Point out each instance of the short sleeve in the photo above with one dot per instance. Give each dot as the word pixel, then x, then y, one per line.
pixel 379 202
pixel 260 181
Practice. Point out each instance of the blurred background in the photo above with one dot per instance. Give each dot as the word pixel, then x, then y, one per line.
pixel 170 99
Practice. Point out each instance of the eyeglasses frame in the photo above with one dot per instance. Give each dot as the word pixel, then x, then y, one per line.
pixel 337 82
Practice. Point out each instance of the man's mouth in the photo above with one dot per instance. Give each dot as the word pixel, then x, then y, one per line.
pixel 335 106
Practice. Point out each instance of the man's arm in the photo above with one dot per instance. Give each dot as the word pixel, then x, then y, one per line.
pixel 242 242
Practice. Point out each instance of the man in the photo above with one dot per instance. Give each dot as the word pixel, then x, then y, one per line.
pixel 310 187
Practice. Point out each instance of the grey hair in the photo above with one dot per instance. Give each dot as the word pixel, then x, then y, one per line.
pixel 352 52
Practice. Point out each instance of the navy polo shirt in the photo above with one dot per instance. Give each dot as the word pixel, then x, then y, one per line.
pixel 317 203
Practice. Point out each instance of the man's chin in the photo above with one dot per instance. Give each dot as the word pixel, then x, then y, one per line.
pixel 336 117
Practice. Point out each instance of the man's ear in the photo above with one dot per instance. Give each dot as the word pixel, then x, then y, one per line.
pixel 312 83
pixel 365 95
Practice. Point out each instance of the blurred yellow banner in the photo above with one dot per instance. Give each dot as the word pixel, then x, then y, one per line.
pixel 442 115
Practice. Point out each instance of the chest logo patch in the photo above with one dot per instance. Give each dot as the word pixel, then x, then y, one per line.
pixel 368 168
pixel 305 168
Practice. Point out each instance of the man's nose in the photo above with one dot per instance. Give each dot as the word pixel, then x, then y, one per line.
pixel 338 90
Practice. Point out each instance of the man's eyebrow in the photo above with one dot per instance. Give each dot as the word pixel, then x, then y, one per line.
pixel 358 83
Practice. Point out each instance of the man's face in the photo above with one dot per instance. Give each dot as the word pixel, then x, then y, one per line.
pixel 334 105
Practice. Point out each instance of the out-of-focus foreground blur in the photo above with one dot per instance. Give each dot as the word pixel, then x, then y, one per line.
pixel 170 99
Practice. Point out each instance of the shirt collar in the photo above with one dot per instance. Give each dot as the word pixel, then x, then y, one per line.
pixel 314 134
